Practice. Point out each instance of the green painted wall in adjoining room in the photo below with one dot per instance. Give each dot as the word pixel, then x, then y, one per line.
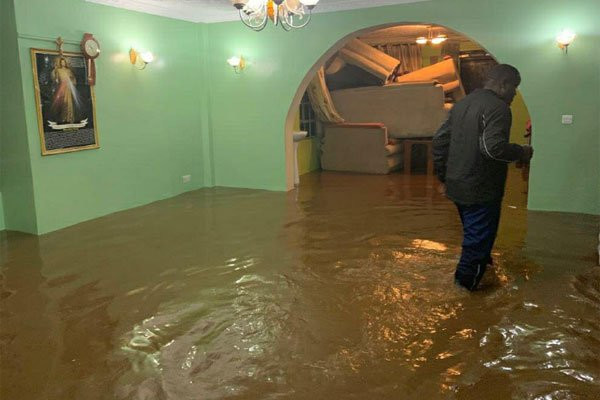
pixel 309 153
pixel 16 182
pixel 249 109
pixel 2 225
pixel 148 120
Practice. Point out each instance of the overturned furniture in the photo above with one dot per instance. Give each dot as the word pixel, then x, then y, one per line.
pixel 445 73
pixel 362 148
pixel 370 122
pixel 408 110
pixel 355 146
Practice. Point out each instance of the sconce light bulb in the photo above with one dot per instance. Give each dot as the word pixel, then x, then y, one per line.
pixel 147 57
pixel 422 40
pixel 234 61
pixel 566 37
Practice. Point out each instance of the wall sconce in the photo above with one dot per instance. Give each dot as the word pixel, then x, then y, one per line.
pixel 564 39
pixel 238 63
pixel 140 60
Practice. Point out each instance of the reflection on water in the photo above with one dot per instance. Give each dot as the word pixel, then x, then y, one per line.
pixel 341 289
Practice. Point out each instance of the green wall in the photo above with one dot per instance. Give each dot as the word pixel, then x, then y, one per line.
pixel 2 225
pixel 189 113
pixel 249 110
pixel 149 121
pixel 15 167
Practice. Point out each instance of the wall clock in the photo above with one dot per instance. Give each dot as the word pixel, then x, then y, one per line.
pixel 91 50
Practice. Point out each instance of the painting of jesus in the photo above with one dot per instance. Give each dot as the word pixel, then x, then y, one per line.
pixel 65 102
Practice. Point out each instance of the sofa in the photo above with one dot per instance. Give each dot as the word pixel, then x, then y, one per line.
pixel 364 148
pixel 444 73
pixel 377 118
pixel 408 110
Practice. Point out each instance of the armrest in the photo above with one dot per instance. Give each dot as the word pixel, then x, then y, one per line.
pixel 426 82
pixel 374 126
pixel 451 86
pixel 366 125
pixel 358 148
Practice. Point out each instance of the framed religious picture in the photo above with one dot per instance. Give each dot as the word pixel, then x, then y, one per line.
pixel 65 102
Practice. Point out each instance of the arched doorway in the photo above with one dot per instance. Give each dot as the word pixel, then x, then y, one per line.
pixel 468 53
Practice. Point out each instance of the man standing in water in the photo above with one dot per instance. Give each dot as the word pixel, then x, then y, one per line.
pixel 471 152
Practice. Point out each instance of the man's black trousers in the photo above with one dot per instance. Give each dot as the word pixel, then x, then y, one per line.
pixel 480 227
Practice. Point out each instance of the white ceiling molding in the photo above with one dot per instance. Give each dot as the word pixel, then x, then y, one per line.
pixel 210 11
pixel 341 5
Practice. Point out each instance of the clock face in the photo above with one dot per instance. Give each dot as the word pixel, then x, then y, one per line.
pixel 91 48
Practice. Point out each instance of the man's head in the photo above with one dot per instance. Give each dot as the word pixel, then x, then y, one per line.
pixel 504 79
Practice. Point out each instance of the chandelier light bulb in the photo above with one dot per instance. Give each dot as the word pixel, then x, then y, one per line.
pixel 288 14
pixel 254 6
pixel 439 39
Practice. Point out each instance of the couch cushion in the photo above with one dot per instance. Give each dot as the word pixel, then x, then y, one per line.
pixel 393 148
pixel 394 162
pixel 444 72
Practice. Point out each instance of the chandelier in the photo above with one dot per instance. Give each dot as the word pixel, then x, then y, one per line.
pixel 289 14
pixel 441 38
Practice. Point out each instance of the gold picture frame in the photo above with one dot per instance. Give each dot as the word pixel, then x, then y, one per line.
pixel 65 102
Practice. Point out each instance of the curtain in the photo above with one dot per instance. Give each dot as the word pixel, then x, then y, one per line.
pixel 320 99
pixel 409 55
pixel 451 49
pixel 370 59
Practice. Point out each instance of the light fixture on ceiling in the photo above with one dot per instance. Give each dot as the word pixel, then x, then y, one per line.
pixel 290 14
pixel 565 38
pixel 441 38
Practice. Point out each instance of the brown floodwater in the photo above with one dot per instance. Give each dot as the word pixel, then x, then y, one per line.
pixel 342 289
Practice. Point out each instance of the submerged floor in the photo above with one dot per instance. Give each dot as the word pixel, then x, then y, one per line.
pixel 339 290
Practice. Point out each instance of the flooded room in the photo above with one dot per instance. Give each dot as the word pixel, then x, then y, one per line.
pixel 299 199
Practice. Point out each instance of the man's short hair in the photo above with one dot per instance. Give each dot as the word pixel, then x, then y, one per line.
pixel 504 73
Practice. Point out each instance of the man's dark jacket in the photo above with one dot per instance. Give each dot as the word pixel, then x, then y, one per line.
pixel 471 149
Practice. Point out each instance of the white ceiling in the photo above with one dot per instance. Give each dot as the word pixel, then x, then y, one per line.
pixel 408 34
pixel 222 10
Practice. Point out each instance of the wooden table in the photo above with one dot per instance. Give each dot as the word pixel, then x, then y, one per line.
pixel 408 146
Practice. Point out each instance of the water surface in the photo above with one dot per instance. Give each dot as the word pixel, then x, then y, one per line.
pixel 341 289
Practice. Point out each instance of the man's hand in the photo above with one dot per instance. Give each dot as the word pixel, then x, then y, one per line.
pixel 527 154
